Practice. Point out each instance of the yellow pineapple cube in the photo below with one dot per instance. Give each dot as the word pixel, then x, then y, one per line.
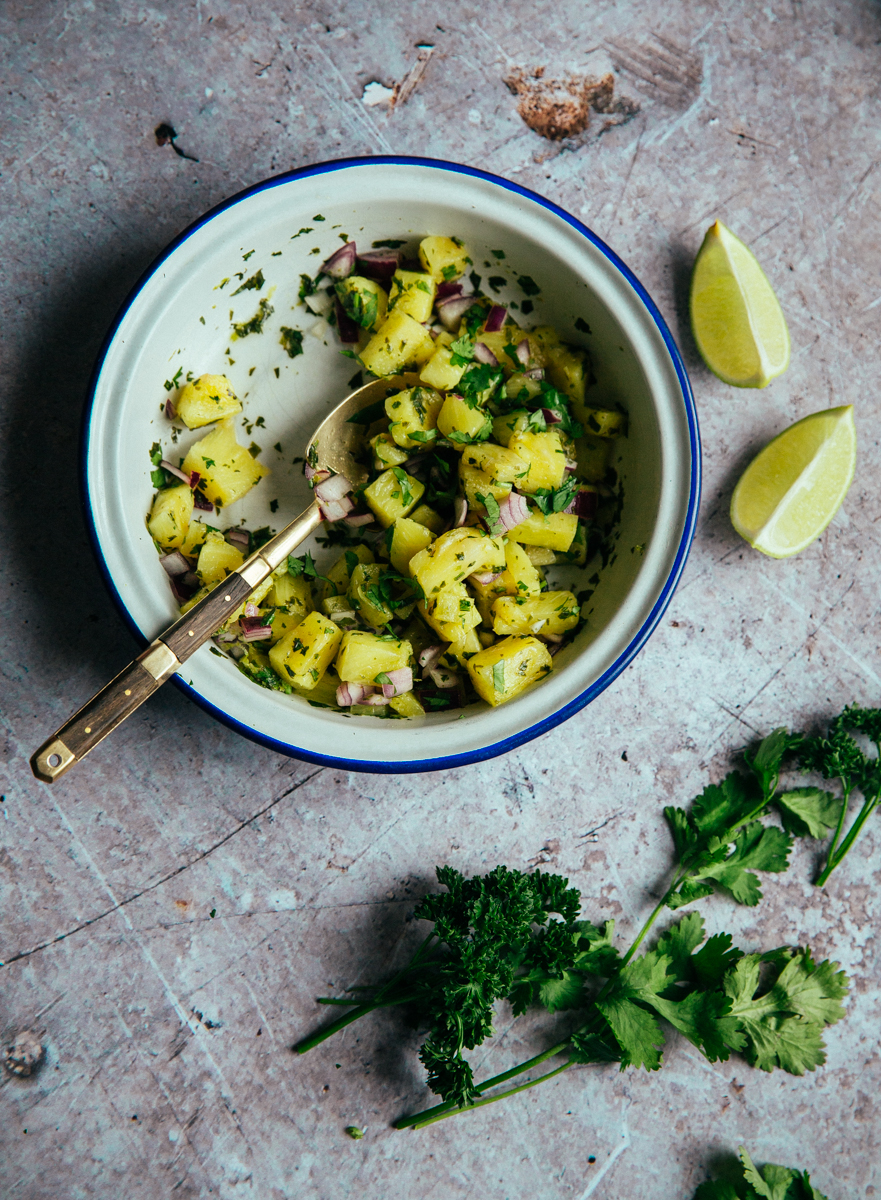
pixel 428 517
pixel 398 343
pixel 340 574
pixel 461 423
pixel 206 399
pixel 412 293
pixel 444 258
pixel 477 483
pixel 217 559
pixel 454 556
pixel 306 651
pixel 197 531
pixel 555 531
pixel 393 494
pixel 408 537
pixel 500 464
pixel 546 458
pixel 440 372
pixel 387 452
pixel 170 516
pixel 406 705
pixel 520 578
pixel 227 469
pixel 549 612
pixel 364 655
pixel 604 423
pixel 503 670
pixel 413 414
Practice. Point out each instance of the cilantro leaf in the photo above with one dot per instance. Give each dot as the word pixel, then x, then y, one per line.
pixel 404 480
pixel 491 505
pixel 808 811
pixel 462 351
pixel 554 500
pixel 763 848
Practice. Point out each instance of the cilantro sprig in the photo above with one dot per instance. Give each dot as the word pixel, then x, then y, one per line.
pixel 770 1182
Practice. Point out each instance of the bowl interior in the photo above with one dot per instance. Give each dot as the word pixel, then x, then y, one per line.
pixel 180 320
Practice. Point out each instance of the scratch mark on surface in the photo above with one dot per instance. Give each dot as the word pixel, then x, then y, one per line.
pixel 623 1145
pixel 118 904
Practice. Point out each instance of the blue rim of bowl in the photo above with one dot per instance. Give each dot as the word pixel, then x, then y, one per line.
pixel 660 605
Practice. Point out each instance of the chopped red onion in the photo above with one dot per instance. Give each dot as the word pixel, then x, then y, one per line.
pixel 429 657
pixel 554 638
pixel 251 609
pixel 336 510
pixel 175 563
pixel 377 699
pixel 443 678
pixel 460 511
pixel 342 262
pixel 379 264
pixel 320 303
pixel 195 478
pixel 201 501
pixel 315 474
pixel 584 504
pixel 552 416
pixel 176 471
pixel 496 319
pixel 258 633
pixel 448 289
pixel 190 581
pixel 238 535
pixel 571 465
pixel 332 488
pixel 351 693
pixel 485 578
pixel 226 637
pixel 358 519
pixel 513 511
pixel 535 373
pixel 483 354
pixel 349 331
pixel 237 652
pixel 398 682
pixel 452 310
pixel 523 351
pixel 170 410
pixel 553 648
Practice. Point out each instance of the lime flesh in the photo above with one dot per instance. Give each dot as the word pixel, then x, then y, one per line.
pixel 736 319
pixel 794 487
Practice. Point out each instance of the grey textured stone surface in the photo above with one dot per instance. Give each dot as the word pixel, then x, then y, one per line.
pixel 168 1065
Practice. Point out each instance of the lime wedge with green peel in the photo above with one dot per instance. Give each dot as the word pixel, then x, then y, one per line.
pixel 792 489
pixel 736 319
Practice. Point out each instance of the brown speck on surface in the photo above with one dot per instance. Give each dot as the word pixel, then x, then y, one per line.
pixel 408 85
pixel 166 135
pixel 23 1055
pixel 560 108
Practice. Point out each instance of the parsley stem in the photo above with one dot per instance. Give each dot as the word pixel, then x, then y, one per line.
pixel 833 858
pixel 441 1116
pixel 450 1107
pixel 359 1011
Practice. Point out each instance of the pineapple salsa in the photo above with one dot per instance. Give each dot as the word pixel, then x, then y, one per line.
pixel 484 473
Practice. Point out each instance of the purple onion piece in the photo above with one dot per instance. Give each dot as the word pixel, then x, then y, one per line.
pixel 336 510
pixel 584 504
pixel 483 354
pixel 496 318
pixel 513 511
pixel 379 265
pixel 460 511
pixel 442 678
pixel 485 578
pixel 175 563
pixel 356 520
pixel 238 535
pixel 195 479
pixel 452 310
pixel 342 262
pixel 429 657
pixel 399 681
pixel 258 633
pixel 551 416
pixel 348 330
pixel 202 502
pixel 535 373
pixel 448 289
pixel 170 410
pixel 176 471
pixel 332 488
pixel 523 351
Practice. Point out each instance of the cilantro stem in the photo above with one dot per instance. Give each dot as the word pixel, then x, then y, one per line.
pixel 427 1119
pixel 834 857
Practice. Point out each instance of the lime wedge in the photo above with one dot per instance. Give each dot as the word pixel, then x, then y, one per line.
pixel 794 487
pixel 736 319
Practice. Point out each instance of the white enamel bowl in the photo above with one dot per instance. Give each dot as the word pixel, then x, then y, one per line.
pixel 179 317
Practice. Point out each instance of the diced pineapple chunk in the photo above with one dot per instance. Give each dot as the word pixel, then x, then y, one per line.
pixel 291 592
pixel 428 517
pixel 500 464
pixel 461 423
pixel 507 424
pixel 461 649
pixel 566 369
pixel 604 423
pixel 259 594
pixel 476 483
pixel 340 611
pixel 217 559
pixel 206 399
pixel 454 556
pixel 549 612
pixel 364 655
pixel 363 300
pixel 503 345
pixel 413 414
pixel 340 574
pixel 546 457
pixel 306 651
pixel 412 293
pixel 485 596
pixel 393 494
pixel 443 258
pixel 577 552
pixel 170 516
pixel 503 670
pixel 197 531
pixel 440 372
pixel 365 597
pixel 594 455
pixel 540 556
pixel 227 469
pixel 406 705
pixel 520 577
pixel 555 531
pixel 387 452
pixel 398 343
pixel 408 537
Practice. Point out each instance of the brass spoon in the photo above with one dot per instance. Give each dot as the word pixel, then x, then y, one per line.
pixel 336 442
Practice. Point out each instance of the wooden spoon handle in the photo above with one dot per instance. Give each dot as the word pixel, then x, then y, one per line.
pixel 140 679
